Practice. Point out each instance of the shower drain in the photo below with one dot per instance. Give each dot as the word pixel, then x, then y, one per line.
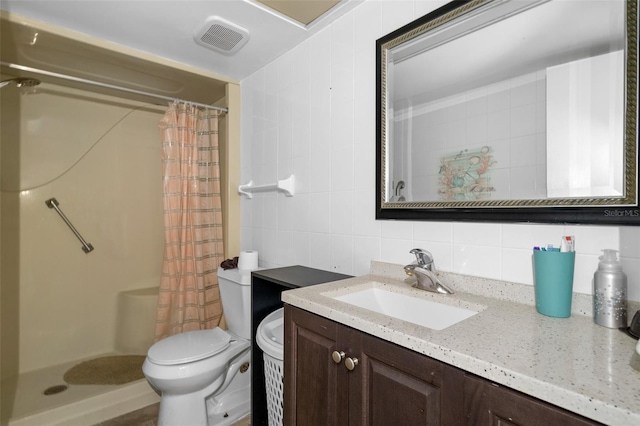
pixel 55 389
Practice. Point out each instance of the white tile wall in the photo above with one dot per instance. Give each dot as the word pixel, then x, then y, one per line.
pixel 312 112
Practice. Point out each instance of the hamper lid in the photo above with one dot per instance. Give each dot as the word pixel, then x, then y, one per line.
pixel 270 335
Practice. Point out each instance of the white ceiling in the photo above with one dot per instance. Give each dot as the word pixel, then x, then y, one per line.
pixel 166 27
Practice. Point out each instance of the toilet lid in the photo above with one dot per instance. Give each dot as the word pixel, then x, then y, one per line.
pixel 189 346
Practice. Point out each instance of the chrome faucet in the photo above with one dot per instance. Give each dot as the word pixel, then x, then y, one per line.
pixel 424 269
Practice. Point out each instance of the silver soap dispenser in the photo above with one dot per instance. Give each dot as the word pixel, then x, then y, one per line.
pixel 610 292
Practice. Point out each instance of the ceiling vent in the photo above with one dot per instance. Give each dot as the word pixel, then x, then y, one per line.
pixel 221 35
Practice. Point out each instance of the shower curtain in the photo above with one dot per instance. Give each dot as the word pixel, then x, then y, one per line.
pixel 189 297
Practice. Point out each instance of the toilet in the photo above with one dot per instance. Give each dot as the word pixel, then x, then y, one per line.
pixel 204 376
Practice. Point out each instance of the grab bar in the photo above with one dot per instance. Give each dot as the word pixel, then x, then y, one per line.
pixel 52 203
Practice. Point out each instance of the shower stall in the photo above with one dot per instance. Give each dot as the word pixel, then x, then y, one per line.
pixel 96 152
pixel 98 156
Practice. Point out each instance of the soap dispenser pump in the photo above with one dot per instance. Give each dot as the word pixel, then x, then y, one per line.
pixel 610 292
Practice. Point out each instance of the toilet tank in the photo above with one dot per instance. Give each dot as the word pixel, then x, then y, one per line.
pixel 235 291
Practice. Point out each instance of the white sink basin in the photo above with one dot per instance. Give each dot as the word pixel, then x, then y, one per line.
pixel 434 315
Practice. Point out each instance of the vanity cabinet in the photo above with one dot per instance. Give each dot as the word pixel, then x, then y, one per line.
pixel 336 375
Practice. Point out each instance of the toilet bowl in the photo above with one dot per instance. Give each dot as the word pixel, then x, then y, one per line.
pixel 203 376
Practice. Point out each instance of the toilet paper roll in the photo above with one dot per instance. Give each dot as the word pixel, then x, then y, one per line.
pixel 248 260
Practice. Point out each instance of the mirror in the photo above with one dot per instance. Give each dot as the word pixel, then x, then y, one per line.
pixel 510 111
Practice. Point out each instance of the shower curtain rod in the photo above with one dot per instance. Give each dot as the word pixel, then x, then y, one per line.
pixel 105 85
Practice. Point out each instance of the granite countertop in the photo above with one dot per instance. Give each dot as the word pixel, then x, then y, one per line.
pixel 569 362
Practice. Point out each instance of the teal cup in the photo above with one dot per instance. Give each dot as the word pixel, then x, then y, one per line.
pixel 553 282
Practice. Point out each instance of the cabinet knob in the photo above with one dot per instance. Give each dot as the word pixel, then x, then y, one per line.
pixel 351 363
pixel 337 356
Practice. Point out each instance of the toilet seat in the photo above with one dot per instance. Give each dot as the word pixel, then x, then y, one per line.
pixel 189 346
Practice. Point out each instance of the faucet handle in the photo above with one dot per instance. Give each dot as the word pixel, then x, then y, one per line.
pixel 423 257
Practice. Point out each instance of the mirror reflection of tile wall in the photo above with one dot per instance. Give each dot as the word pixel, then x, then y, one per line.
pixel 545 134
pixel 506 121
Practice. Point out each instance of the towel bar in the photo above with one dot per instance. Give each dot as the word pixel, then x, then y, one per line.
pixel 283 185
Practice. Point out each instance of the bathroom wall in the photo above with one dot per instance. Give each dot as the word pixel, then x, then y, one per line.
pixel 311 112
pixel 99 156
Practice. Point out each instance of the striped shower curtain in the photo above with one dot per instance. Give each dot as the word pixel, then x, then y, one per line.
pixel 189 297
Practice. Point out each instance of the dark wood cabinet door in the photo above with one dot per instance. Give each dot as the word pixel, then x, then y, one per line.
pixel 488 404
pixel 312 380
pixel 396 386
pixel 388 384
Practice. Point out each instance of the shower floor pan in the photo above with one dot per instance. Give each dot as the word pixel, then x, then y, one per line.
pixel 77 405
